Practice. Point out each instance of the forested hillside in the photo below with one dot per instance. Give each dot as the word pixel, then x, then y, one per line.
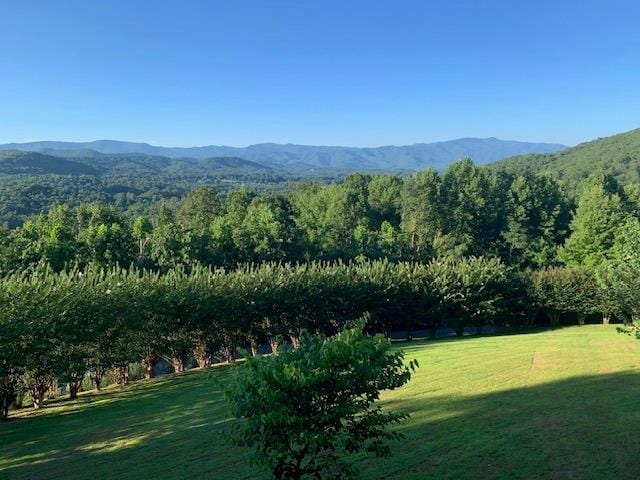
pixel 32 182
pixel 34 163
pixel 160 222
pixel 618 156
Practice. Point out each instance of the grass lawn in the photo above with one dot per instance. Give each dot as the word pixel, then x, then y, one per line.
pixel 561 404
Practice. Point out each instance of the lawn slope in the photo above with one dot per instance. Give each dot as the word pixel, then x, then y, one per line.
pixel 557 405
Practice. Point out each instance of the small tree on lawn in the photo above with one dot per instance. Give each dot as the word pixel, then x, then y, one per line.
pixel 309 407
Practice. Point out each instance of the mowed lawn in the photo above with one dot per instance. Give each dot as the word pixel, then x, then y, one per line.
pixel 561 404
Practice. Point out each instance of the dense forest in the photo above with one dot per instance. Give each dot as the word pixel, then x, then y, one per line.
pixel 526 220
pixel 32 182
pixel 468 210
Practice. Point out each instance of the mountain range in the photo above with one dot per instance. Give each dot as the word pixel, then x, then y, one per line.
pixel 289 156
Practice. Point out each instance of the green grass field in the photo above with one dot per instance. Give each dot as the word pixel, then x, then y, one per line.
pixel 561 404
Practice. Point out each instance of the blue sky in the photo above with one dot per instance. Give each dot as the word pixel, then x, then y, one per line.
pixel 341 72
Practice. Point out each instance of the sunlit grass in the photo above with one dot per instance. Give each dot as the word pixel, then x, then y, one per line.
pixel 554 404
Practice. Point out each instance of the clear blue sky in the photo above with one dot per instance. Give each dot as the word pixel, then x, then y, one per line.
pixel 318 72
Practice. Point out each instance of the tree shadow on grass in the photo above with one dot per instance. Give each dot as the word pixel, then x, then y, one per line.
pixel 168 428
pixel 578 428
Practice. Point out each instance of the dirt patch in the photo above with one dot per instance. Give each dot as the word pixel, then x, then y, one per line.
pixel 546 361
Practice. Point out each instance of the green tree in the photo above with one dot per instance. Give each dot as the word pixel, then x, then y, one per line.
pixel 324 219
pixel 104 236
pixel 384 197
pixel 264 232
pixel 166 239
pixel 48 238
pixel 620 277
pixel 471 200
pixel 599 214
pixel 198 209
pixel 305 409
pixel 196 213
pixel 536 220
pixel 468 291
pixel 420 212
pixel 561 290
pixel 142 229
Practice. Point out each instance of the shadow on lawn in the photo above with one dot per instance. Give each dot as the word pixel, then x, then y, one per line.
pixel 578 428
pixel 581 428
pixel 152 429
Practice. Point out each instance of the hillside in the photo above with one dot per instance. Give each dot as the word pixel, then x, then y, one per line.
pixel 33 163
pixel 90 162
pixel 410 157
pixel 153 164
pixel 546 405
pixel 31 182
pixel 618 155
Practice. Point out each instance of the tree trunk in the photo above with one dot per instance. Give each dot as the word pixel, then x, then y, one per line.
pixel 148 364
pixel 295 340
pixel 581 319
pixel 554 319
pixel 202 353
pixel 4 407
pixel 38 389
pixel 37 396
pixel 274 344
pixel 254 346
pixel 606 318
pixel 460 331
pixel 8 395
pixel 123 375
pixel 229 353
pixel 74 388
pixel 203 359
pixel 178 364
pixel 433 331
pixel 53 389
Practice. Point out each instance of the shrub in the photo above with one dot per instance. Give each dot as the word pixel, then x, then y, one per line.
pixel 306 408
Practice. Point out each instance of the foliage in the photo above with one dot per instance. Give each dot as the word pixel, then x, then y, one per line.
pixel 96 322
pixel 557 291
pixel 618 155
pixel 305 409
pixel 620 277
pixel 600 212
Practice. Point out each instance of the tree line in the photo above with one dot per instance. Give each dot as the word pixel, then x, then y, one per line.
pixel 526 220
pixel 76 324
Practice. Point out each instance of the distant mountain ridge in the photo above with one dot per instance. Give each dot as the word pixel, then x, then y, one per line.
pixel 409 157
